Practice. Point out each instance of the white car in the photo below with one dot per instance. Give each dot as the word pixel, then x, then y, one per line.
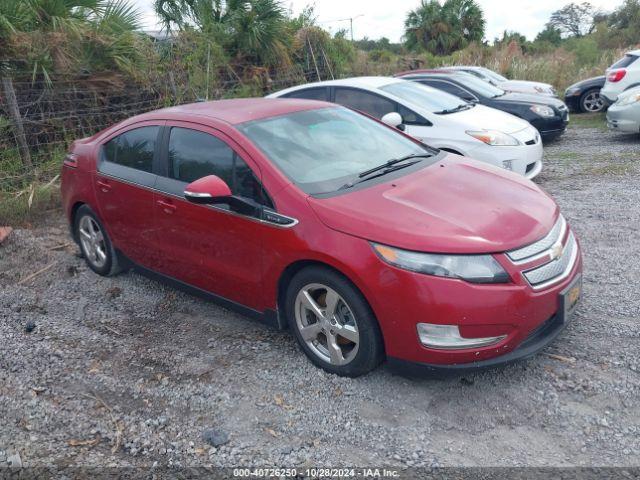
pixel 621 76
pixel 624 114
pixel 517 86
pixel 436 118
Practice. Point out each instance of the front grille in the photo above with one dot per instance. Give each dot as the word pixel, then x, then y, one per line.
pixel 555 270
pixel 541 247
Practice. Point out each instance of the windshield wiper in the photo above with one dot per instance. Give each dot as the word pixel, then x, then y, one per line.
pixel 387 167
pixel 464 106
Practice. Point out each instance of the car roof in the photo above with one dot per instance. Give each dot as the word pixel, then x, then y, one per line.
pixel 451 73
pixel 419 71
pixel 368 83
pixel 236 111
pixel 634 52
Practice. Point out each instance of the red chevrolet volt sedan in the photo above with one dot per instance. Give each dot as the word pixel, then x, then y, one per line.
pixel 366 243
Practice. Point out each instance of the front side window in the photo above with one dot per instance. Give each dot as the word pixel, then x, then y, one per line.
pixel 370 103
pixel 134 148
pixel 194 154
pixel 321 150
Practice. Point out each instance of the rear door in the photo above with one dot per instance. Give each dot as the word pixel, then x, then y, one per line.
pixel 124 182
pixel 210 247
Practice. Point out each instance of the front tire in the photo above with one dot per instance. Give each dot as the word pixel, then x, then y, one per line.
pixel 333 323
pixel 590 101
pixel 95 244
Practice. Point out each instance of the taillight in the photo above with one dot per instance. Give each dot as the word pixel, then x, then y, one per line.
pixel 616 75
pixel 71 160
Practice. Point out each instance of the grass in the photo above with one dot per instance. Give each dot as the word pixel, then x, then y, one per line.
pixel 16 209
pixel 590 120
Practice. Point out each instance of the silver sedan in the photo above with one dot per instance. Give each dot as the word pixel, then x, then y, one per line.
pixel 624 114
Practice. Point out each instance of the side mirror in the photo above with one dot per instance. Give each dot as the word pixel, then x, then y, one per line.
pixel 210 190
pixel 393 119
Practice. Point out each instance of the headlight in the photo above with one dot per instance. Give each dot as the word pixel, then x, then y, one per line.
pixel 572 91
pixel 543 110
pixel 493 137
pixel 628 100
pixel 472 268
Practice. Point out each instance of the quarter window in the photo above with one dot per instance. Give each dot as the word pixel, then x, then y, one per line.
pixel 194 154
pixel 370 103
pixel 134 148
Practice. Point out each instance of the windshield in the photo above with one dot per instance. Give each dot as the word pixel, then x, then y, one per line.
pixel 425 97
pixel 481 87
pixel 321 150
pixel 494 75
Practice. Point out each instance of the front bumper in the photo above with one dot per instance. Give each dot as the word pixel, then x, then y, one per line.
pixel 523 314
pixel 538 340
pixel 552 127
pixel 525 159
pixel 624 119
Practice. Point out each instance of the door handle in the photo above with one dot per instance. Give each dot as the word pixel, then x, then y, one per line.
pixel 167 207
pixel 104 186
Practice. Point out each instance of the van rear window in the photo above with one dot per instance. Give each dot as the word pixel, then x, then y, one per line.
pixel 625 61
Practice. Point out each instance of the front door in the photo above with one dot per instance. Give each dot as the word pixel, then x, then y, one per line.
pixel 209 247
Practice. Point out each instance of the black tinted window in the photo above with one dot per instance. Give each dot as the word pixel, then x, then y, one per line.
pixel 134 148
pixel 624 61
pixel 310 94
pixel 374 105
pixel 447 87
pixel 194 154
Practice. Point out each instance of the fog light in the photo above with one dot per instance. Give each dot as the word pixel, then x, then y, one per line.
pixel 447 337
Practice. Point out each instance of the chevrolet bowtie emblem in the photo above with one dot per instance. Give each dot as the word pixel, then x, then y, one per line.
pixel 556 251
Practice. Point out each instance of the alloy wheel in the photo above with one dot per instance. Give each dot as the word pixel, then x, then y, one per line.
pixel 327 324
pixel 93 243
pixel 592 102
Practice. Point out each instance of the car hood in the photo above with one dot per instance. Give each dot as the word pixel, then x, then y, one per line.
pixel 529 99
pixel 537 87
pixel 455 205
pixel 589 82
pixel 481 117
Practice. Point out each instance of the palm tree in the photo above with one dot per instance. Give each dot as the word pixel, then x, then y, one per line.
pixel 443 29
pixel 250 30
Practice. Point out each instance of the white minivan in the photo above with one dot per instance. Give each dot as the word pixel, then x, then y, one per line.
pixel 437 118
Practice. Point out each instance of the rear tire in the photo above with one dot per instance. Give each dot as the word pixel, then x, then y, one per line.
pixel 333 323
pixel 590 101
pixel 95 244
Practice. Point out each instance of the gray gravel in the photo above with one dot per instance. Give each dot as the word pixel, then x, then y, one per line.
pixel 125 371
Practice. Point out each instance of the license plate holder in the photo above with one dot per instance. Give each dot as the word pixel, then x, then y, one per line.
pixel 570 299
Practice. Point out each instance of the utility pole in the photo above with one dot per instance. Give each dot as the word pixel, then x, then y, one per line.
pixel 351 19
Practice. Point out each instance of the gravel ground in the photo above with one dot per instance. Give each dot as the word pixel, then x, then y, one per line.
pixel 127 372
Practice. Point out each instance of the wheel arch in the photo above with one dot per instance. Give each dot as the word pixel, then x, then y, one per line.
pixel 72 219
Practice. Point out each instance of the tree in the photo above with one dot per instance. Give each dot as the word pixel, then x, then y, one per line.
pixel 443 29
pixel 575 19
pixel 550 34
pixel 251 30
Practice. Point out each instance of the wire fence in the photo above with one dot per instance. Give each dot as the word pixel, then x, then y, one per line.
pixel 39 119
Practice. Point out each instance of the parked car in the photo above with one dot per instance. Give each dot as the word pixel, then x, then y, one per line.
pixel 363 241
pixel 584 96
pixel 621 76
pixel 436 118
pixel 624 114
pixel 517 86
pixel 549 115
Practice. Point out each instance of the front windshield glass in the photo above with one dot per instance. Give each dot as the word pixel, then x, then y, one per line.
pixel 481 87
pixel 321 150
pixel 430 99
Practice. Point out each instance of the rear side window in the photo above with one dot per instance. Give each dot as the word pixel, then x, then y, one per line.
pixel 320 93
pixel 624 61
pixel 134 148
pixel 370 103
pixel 194 154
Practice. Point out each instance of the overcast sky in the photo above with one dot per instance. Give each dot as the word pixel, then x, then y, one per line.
pixel 386 18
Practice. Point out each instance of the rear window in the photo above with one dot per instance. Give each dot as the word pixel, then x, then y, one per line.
pixel 624 61
pixel 133 149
